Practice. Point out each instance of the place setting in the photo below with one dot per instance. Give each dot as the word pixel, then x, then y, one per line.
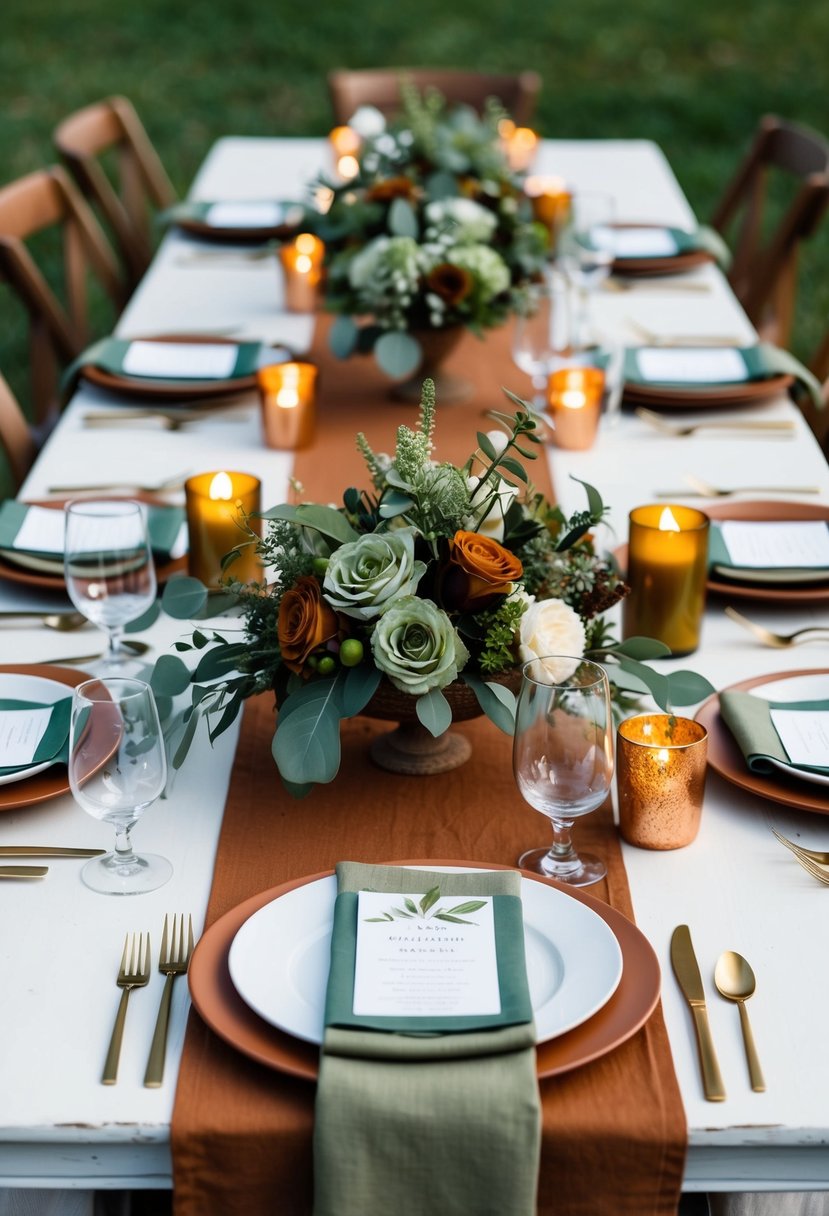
pixel 237 221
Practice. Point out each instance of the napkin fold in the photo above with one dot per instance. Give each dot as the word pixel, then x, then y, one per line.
pixel 163 527
pixel 54 746
pixel 445 1122
pixel 749 720
pixel 761 362
pixel 109 354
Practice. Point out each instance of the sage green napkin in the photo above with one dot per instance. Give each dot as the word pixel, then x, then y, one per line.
pixel 761 361
pixel 414 1122
pixel 163 526
pixel 749 720
pixel 702 240
pixel 54 746
pixel 720 563
pixel 108 354
pixel 289 214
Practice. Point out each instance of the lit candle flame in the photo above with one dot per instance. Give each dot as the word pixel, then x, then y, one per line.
pixel 663 755
pixel 221 487
pixel 348 167
pixel 306 243
pixel 667 523
pixel 287 397
pixel 573 399
pixel 303 263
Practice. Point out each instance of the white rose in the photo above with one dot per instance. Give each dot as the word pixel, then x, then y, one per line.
pixel 492 524
pixel 552 630
pixel 367 121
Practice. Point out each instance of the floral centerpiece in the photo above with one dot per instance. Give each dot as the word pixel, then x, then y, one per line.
pixel 435 578
pixel 432 234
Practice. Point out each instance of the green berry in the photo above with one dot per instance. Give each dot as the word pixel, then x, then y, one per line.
pixel 320 565
pixel 351 652
pixel 326 665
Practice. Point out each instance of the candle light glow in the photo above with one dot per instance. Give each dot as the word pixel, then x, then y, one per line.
pixel 667 573
pixel 660 779
pixel 220 509
pixel 302 265
pixel 287 399
pixel 575 402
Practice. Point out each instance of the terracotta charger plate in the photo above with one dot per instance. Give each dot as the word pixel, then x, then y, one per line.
pixel 54 781
pixel 55 582
pixel 670 397
pixel 180 390
pixel 224 1011
pixel 769 511
pixel 725 757
pixel 289 225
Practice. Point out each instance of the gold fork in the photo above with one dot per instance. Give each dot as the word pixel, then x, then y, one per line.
pixel 173 960
pixel 703 489
pixel 134 972
pixel 779 640
pixel 779 425
pixel 815 855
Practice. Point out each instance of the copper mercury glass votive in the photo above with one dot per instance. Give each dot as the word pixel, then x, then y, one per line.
pixel 301 261
pixel 660 780
pixel 574 398
pixel 287 397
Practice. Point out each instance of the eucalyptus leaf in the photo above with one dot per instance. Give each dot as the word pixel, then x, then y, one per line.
pixel 594 498
pixel 297 789
pixel 497 702
pixel 441 185
pixel 186 740
pixel 342 337
pixel 398 354
pixel 306 746
pixel 402 220
pixel 145 619
pixel 641 648
pixel 327 520
pixel 183 597
pixel 358 688
pixel 434 711
pixel 654 681
pixel 394 503
pixel 688 687
pixel 170 676
pixel 220 661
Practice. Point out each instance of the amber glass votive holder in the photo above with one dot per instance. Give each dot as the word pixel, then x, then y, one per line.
pixel 345 144
pixel 519 144
pixel 660 780
pixel 287 396
pixel 574 398
pixel 219 509
pixel 550 200
pixel 667 573
pixel 301 261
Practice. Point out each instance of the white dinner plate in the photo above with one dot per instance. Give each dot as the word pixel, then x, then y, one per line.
pixel 30 688
pixel 797 688
pixel 279 958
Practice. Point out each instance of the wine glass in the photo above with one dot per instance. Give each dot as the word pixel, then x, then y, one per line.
pixel 563 757
pixel 586 252
pixel 117 768
pixel 540 333
pixel 108 565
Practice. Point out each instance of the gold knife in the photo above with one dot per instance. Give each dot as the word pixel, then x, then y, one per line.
pixel 23 871
pixel 42 850
pixel 686 970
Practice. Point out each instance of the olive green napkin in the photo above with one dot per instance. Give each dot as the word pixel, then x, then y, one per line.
pixel 749 720
pixel 414 1122
pixel 701 240
pixel 55 742
pixel 761 362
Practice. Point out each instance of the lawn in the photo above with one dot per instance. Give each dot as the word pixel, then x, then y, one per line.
pixel 694 77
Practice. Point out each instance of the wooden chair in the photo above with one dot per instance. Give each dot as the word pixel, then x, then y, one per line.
pixel 45 200
pixel 380 87
pixel 764 270
pixel 819 419
pixel 17 442
pixel 141 183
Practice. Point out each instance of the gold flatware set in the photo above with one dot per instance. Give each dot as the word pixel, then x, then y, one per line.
pixel 780 641
pixel 734 980
pixel 697 488
pixel 771 427
pixel 134 972
pixel 812 860
pixel 38 850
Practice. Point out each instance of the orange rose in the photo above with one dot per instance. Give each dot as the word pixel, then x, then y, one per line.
pixel 305 622
pixel 392 187
pixel 479 571
pixel 451 283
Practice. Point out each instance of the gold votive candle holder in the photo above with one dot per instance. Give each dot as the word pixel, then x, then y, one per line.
pixel 301 261
pixel 550 199
pixel 345 144
pixel 219 508
pixel 574 397
pixel 287 396
pixel 667 573
pixel 660 780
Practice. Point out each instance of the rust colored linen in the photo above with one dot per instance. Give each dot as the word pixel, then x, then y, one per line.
pixel 614 1132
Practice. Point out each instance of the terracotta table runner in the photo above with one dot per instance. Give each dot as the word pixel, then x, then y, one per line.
pixel 614 1131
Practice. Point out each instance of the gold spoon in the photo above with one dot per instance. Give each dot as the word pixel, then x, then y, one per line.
pixel 63 622
pixel 735 981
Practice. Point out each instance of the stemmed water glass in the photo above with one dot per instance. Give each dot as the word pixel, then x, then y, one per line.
pixel 108 566
pixel 117 768
pixel 541 333
pixel 586 253
pixel 563 757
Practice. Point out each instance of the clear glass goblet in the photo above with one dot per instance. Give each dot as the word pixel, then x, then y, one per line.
pixel 541 333
pixel 563 757
pixel 586 253
pixel 117 768
pixel 108 566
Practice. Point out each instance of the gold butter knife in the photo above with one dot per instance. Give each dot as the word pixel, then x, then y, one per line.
pixel 686 970
pixel 42 850
pixel 23 871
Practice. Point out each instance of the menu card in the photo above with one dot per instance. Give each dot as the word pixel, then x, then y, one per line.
pixel 804 735
pixel 699 365
pixel 181 360
pixel 259 214
pixel 425 957
pixel 644 243
pixel 32 733
pixel 777 545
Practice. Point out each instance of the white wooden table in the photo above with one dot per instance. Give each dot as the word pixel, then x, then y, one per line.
pixel 734 886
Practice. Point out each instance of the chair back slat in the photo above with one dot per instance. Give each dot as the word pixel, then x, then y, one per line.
pixel 16 438
pixel 518 92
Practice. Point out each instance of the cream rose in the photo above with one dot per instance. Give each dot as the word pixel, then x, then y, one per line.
pixel 502 495
pixel 552 630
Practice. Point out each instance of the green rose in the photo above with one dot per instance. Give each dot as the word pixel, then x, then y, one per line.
pixel 417 647
pixel 366 575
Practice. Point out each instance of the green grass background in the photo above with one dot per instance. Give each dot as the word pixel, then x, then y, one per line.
pixel 693 76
